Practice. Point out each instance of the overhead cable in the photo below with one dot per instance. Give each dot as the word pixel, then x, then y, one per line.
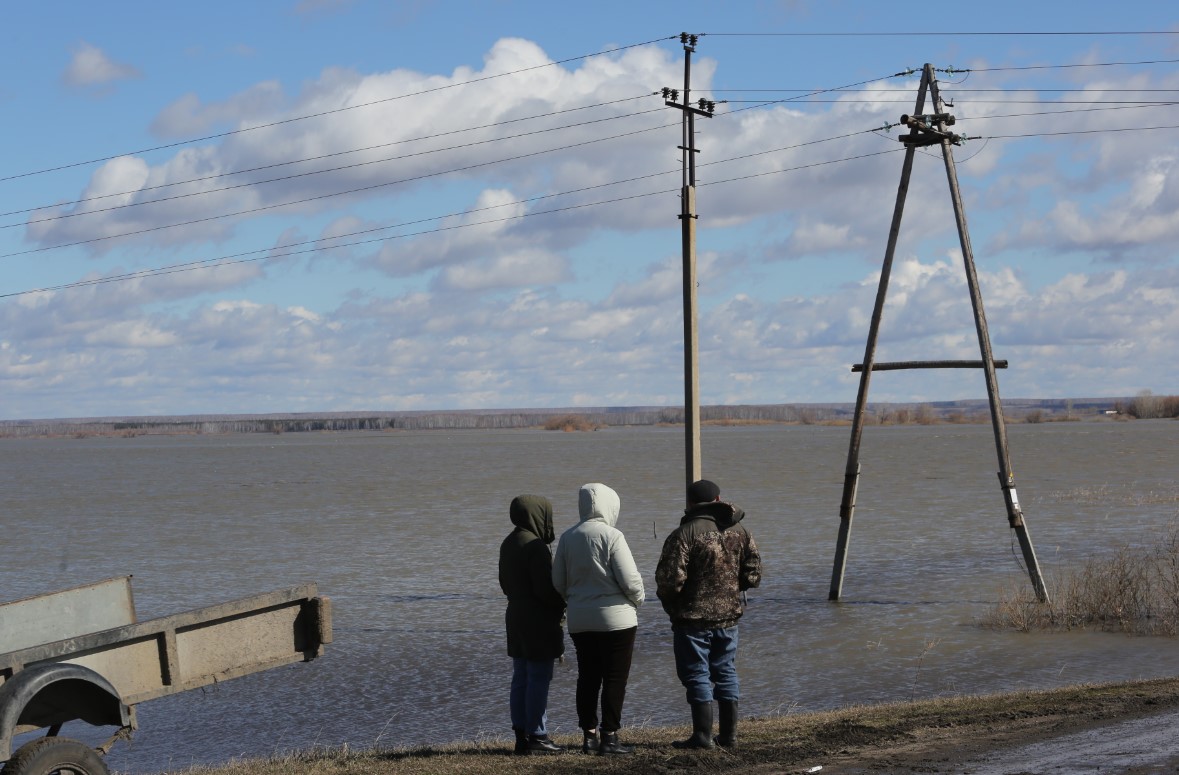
pixel 272 254
pixel 309 173
pixel 331 155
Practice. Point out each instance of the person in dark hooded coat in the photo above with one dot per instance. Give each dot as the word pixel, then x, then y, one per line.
pixel 534 619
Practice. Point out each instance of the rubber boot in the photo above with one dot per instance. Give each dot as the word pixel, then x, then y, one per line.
pixel 589 741
pixel 610 745
pixel 521 742
pixel 701 727
pixel 727 736
pixel 542 744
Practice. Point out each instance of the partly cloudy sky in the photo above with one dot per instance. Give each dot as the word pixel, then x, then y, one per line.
pixel 334 205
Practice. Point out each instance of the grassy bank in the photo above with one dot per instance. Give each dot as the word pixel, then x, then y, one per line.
pixel 926 736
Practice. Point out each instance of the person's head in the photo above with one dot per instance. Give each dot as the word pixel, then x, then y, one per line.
pixel 703 491
pixel 533 513
pixel 596 500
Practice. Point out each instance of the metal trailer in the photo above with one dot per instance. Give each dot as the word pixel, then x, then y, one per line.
pixel 80 654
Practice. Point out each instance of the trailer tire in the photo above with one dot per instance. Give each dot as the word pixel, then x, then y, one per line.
pixel 55 756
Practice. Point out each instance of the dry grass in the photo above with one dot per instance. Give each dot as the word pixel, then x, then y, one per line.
pixel 1134 591
pixel 570 423
pixel 912 736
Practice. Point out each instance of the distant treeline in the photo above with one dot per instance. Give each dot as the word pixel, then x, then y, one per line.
pixel 590 418
pixel 1148 406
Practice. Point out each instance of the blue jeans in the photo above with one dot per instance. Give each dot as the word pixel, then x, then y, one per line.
pixel 705 661
pixel 530 694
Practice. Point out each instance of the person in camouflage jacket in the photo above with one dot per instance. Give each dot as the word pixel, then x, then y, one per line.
pixel 705 566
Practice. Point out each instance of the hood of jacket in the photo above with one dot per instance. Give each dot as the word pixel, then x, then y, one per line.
pixel 533 513
pixel 597 501
pixel 725 515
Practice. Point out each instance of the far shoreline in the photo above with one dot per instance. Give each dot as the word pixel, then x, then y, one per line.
pixel 582 419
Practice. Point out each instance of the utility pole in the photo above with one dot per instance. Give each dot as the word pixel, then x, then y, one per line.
pixel 932 130
pixel 692 468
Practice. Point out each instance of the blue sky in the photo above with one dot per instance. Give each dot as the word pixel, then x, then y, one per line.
pixel 455 125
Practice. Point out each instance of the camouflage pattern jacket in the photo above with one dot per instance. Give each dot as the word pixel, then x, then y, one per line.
pixel 706 563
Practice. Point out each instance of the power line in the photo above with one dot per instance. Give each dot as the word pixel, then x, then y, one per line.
pixel 1053 67
pixel 1062 112
pixel 973 33
pixel 956 90
pixel 316 172
pixel 1081 132
pixel 234 259
pixel 329 155
pixel 971 101
pixel 266 208
pixel 547 196
pixel 365 188
pixel 239 258
pixel 330 112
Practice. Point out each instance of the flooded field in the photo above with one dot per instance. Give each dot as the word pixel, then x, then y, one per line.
pixel 402 530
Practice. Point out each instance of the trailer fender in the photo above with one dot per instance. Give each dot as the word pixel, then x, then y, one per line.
pixel 51 694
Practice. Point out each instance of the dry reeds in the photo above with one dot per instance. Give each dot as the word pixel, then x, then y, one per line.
pixel 1133 591
pixel 570 423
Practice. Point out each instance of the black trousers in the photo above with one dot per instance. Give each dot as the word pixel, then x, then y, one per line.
pixel 603 667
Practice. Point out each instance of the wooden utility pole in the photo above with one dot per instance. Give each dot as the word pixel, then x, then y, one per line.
pixel 929 130
pixel 687 216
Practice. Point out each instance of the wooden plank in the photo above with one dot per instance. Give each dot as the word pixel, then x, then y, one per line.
pixel 69 613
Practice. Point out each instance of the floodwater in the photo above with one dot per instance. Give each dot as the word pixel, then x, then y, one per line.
pixel 401 530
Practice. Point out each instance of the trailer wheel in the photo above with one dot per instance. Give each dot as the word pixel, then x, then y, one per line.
pixel 55 756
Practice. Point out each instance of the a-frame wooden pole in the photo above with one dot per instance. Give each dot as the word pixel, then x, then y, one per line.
pixel 851 475
pixel 926 131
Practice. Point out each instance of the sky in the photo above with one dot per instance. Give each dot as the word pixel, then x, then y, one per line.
pixel 350 205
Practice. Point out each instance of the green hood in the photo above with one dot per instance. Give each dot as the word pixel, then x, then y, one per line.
pixel 533 513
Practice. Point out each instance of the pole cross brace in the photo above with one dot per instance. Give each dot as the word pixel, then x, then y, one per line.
pixel 896 365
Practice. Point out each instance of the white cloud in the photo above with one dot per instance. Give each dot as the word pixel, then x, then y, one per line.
pixel 188 116
pixel 90 67
pixel 499 305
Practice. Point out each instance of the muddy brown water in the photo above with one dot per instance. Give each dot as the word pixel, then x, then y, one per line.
pixel 402 530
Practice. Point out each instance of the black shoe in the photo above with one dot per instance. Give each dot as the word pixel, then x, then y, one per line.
pixel 610 745
pixel 543 745
pixel 701 728
pixel 521 742
pixel 727 736
pixel 589 741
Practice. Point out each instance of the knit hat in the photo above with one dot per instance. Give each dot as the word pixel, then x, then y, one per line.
pixel 703 491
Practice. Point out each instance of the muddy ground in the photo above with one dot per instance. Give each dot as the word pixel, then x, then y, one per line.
pixel 1124 728
pixel 1130 728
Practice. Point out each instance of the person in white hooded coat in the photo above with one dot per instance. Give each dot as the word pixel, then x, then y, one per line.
pixel 594 571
